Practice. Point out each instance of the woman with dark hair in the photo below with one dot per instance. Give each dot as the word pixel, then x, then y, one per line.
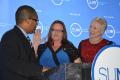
pixel 61 30
pixel 57 50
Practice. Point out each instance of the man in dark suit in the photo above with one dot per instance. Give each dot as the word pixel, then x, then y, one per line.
pixel 17 57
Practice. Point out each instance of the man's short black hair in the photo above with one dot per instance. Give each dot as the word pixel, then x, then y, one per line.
pixel 24 12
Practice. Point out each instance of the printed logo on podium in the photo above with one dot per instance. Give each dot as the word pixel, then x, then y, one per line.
pixel 106 65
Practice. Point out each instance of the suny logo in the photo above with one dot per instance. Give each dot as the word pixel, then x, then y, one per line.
pixel 92 4
pixel 75 29
pixel 110 32
pixel 106 65
pixel 57 2
pixel 40 26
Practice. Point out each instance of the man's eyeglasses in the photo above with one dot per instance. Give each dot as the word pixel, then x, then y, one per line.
pixel 36 20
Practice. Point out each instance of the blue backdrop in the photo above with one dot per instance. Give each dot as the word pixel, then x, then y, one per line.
pixel 77 15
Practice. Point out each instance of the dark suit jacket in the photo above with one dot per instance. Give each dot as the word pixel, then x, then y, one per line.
pixel 17 59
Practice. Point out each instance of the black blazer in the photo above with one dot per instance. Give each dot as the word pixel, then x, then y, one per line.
pixel 17 59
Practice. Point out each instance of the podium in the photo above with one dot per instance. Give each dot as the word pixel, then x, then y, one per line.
pixel 86 71
pixel 72 71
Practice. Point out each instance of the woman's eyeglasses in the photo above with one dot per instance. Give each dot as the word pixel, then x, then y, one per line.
pixel 57 30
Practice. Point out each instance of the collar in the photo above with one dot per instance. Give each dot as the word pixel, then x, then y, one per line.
pixel 25 34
